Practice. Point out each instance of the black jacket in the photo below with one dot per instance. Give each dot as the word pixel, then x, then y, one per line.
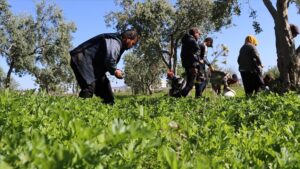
pixel 189 51
pixel 248 58
pixel 97 55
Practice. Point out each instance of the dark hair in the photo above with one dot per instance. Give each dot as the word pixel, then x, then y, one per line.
pixel 193 31
pixel 267 79
pixel 130 34
pixel 234 77
pixel 209 39
pixel 294 30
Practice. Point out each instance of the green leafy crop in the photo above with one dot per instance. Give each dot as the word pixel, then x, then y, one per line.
pixel 42 131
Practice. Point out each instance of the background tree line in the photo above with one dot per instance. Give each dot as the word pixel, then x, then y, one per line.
pixel 38 44
pixel 162 24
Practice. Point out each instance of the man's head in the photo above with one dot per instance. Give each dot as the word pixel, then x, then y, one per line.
pixel 170 74
pixel 233 79
pixel 209 41
pixel 294 30
pixel 195 32
pixel 129 38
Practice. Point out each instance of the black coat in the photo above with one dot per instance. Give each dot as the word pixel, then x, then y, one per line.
pixel 190 51
pixel 94 57
pixel 248 58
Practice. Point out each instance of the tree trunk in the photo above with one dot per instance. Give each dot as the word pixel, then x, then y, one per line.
pixel 286 52
pixel 8 75
pixel 149 89
pixel 172 53
pixel 287 61
pixel 47 88
pixel 171 61
pixel 175 58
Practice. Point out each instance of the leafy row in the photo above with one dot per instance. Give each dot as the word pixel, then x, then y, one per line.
pixel 42 131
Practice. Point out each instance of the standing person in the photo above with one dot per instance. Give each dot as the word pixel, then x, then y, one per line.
pixel 96 56
pixel 201 81
pixel 294 30
pixel 189 57
pixel 250 66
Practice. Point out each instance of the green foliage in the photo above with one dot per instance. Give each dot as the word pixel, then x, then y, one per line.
pixel 54 42
pixel 17 41
pixel 220 51
pixel 2 78
pixel 162 24
pixel 223 11
pixel 273 72
pixel 42 131
pixel 255 23
pixel 297 4
pixel 13 83
pixel 143 72
pixel 37 45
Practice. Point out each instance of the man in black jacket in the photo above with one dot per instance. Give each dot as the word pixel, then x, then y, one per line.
pixel 96 56
pixel 189 57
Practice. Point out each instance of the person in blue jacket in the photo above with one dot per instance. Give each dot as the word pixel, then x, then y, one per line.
pixel 96 56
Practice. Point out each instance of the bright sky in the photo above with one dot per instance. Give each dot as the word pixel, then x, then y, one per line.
pixel 88 16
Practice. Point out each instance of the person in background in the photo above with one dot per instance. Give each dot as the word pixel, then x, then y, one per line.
pixel 201 80
pixel 177 84
pixel 294 30
pixel 268 80
pixel 96 56
pixel 250 66
pixel 219 78
pixel 190 51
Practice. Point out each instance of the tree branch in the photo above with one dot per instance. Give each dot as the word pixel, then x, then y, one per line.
pixel 271 8
pixel 164 59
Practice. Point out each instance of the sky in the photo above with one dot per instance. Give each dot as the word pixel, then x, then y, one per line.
pixel 88 15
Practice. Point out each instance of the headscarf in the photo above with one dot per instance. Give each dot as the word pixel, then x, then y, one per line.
pixel 251 39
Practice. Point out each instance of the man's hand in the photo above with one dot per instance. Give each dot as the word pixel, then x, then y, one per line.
pixel 118 74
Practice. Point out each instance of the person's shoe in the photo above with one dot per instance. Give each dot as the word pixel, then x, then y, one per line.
pixel 85 93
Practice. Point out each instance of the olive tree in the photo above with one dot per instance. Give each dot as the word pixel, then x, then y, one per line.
pixel 162 24
pixel 142 72
pixel 37 45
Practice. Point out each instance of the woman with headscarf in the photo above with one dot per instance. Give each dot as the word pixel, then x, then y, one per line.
pixel 250 66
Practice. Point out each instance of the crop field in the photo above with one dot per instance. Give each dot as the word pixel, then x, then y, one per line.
pixel 42 131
